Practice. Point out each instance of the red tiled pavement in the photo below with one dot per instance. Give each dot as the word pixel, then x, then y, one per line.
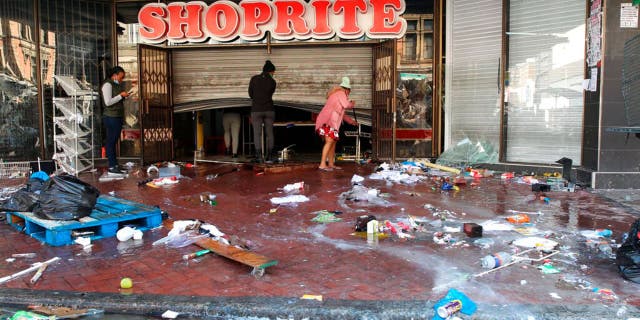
pixel 325 259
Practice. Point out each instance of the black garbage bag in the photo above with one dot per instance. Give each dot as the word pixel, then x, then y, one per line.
pixel 628 255
pixel 66 198
pixel 20 201
pixel 35 185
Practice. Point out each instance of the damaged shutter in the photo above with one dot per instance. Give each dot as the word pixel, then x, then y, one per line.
pixel 219 77
pixel 545 72
pixel 472 106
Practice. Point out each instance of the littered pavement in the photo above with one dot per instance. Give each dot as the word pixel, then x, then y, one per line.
pixel 391 279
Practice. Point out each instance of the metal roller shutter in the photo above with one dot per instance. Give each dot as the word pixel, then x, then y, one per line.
pixel 472 106
pixel 219 77
pixel 546 67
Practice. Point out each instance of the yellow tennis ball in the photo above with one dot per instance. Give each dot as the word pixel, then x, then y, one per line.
pixel 126 283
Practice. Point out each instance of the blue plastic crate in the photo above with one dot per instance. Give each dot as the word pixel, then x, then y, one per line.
pixel 109 215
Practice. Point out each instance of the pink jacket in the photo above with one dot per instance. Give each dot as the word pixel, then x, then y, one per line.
pixel 332 113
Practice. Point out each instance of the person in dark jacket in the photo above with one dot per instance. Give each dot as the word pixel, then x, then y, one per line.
pixel 113 94
pixel 261 89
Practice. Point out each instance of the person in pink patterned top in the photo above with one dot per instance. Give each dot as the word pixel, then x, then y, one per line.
pixel 329 121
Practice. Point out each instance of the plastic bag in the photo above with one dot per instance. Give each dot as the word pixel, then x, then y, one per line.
pixel 35 185
pixel 66 198
pixel 628 255
pixel 20 201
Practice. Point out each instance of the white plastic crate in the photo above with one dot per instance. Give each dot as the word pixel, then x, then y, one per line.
pixel 14 169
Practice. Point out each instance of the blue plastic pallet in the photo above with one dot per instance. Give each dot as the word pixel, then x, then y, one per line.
pixel 108 216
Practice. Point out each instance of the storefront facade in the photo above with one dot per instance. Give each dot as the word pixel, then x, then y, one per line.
pixel 535 82
pixel 506 74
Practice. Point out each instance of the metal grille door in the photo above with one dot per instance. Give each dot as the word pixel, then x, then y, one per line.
pixel 155 103
pixel 384 101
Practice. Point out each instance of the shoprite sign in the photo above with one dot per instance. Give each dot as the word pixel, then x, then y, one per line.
pixel 250 20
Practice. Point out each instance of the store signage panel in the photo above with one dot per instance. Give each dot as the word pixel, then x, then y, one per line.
pixel 250 20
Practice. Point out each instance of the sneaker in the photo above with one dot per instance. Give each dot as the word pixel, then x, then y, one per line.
pixel 116 170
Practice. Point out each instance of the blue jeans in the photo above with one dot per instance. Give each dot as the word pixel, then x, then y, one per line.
pixel 114 127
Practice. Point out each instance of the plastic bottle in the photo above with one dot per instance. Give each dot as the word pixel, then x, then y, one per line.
pixel 495 260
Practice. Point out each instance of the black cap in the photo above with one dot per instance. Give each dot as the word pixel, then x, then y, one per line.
pixel 268 66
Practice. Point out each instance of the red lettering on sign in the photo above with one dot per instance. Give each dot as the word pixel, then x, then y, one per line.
pixel 322 28
pixel 255 13
pixel 385 21
pixel 349 9
pixel 222 20
pixel 184 17
pixel 152 25
pixel 290 14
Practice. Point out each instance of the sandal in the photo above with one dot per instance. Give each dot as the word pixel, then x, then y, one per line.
pixel 327 169
pixel 336 168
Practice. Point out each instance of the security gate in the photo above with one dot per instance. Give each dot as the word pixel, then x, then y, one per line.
pixel 156 107
pixel 384 101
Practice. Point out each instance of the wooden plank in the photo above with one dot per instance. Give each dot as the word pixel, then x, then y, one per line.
pixel 234 253
pixel 243 256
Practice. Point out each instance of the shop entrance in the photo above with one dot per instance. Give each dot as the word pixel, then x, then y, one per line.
pixel 216 77
pixel 156 108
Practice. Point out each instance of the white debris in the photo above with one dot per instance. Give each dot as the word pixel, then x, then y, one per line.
pixel 83 241
pixel 293 187
pixel 361 193
pixel 492 225
pixel 170 314
pixel 555 295
pixel 356 179
pixel 536 242
pixel 215 233
pixel 451 229
pixel 395 176
pixel 289 199
pixel 180 226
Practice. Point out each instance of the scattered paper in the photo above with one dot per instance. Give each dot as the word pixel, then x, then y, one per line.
pixel 289 199
pixel 312 297
pixel 536 242
pixel 170 314
pixel 554 295
pixel 628 15
pixel 491 225
pixel 293 187
pixel 83 241
pixel 356 179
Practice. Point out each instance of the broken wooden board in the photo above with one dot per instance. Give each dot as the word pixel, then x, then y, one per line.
pixel 283 167
pixel 246 257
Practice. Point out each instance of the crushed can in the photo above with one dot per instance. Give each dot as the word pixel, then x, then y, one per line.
pixel 450 308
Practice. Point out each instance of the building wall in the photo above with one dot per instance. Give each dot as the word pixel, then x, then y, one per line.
pixel 618 153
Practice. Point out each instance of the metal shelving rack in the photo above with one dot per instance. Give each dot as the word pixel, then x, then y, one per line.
pixel 73 126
